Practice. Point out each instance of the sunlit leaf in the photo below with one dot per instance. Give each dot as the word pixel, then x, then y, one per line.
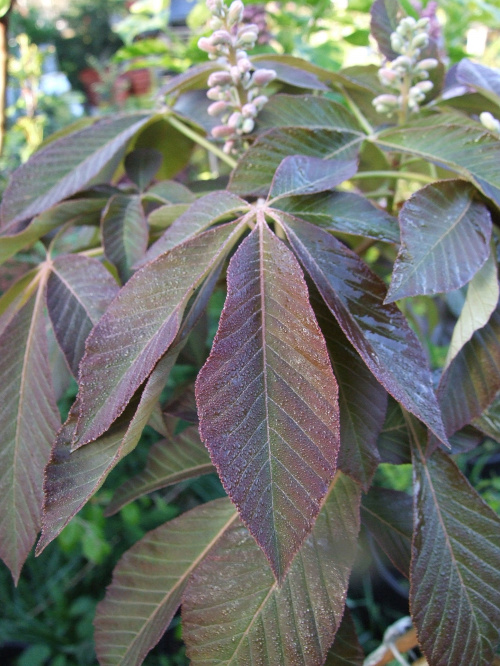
pixel 174 146
pixel 455 579
pixel 388 515
pixel 384 21
pixel 139 326
pixel 347 212
pixel 481 300
pixel 29 420
pixel 307 112
pixel 169 461
pixel 79 290
pixel 298 174
pixel 149 580
pixel 484 79
pixel 67 166
pixel 267 399
pixel 294 71
pixel 445 236
pixel 471 151
pixel 235 613
pixel 124 233
pixel 378 331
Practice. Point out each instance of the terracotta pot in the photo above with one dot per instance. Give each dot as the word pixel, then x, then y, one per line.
pixel 140 81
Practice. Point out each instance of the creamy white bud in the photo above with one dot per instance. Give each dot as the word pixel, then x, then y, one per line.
pixel 402 63
pixel 249 110
pixel 235 120
pixel 396 42
pixel 423 23
pixel 244 65
pixel 386 100
pixel 420 41
pixel 222 37
pixel 387 76
pixel 247 126
pixel 215 93
pixel 427 63
pixel 424 86
pixel 261 77
pixel 260 101
pixel 490 122
pixel 235 13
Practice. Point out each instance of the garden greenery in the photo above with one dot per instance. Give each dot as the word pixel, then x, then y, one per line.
pixel 329 188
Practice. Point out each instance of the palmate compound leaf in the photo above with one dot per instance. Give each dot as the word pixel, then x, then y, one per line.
pixel 169 461
pixel 79 290
pixel 267 399
pixel 378 331
pixel 445 236
pixel 29 420
pixel 362 400
pixel 234 612
pixel 471 151
pixel 124 233
pixel 71 478
pixel 67 166
pixel 149 580
pixel 455 579
pixel 139 326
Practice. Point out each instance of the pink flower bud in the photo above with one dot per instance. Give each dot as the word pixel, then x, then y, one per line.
pixel 235 120
pixel 205 44
pixel 262 77
pixel 235 13
pixel 260 101
pixel 222 37
pixel 249 110
pixel 219 79
pixel 217 108
pixel 387 76
pixel 222 132
pixel 386 100
pixel 215 93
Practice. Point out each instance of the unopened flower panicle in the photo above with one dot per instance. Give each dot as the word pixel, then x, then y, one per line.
pixel 406 75
pixel 236 88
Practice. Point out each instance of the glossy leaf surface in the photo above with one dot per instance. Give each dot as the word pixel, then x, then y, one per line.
pixel 67 166
pixel 445 236
pixel 267 399
pixel 234 613
pixel 298 174
pixel 388 515
pixel 379 332
pixel 347 212
pixel 455 580
pixel 29 420
pixel 169 461
pixel 79 290
pixel 138 328
pixel 149 580
pixel 471 151
pixel 124 233
pixel 480 302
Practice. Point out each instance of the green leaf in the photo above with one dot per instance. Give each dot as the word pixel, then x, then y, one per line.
pixel 124 233
pixel 378 331
pixel 79 290
pixel 139 326
pixel 298 174
pixel 469 150
pixel 455 580
pixel 267 399
pixel 346 212
pixel 387 514
pixel 445 236
pixel 149 580
pixel 234 612
pixel 29 420
pixel 67 166
pixel 174 147
pixel 169 461
pixel 4 7
pixel 480 302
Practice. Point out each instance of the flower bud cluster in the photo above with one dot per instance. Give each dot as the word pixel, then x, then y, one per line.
pixel 235 90
pixel 406 75
pixel 490 122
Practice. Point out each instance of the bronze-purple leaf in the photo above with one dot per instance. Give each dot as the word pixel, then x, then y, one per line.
pixel 235 613
pixel 455 579
pixel 29 420
pixel 300 174
pixel 267 399
pixel 79 290
pixel 378 331
pixel 139 326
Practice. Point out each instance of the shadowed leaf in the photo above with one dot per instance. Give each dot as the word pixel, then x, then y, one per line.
pixel 234 612
pixel 298 174
pixel 347 212
pixel 79 290
pixel 267 399
pixel 445 238
pixel 149 580
pixel 471 151
pixel 393 442
pixel 378 331
pixel 67 166
pixel 384 21
pixel 489 421
pixel 141 166
pixel 455 580
pixel 139 326
pixel 346 649
pixel 388 516
pixel 481 301
pixel 169 461
pixel 29 420
pixel 124 233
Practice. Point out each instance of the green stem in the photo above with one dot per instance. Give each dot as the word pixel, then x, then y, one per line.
pixel 197 138
pixel 356 111
pixel 404 175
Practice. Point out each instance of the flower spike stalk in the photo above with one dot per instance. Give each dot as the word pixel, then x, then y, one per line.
pixel 235 90
pixel 407 75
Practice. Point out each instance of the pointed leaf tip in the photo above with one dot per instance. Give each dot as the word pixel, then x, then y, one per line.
pixel 267 399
